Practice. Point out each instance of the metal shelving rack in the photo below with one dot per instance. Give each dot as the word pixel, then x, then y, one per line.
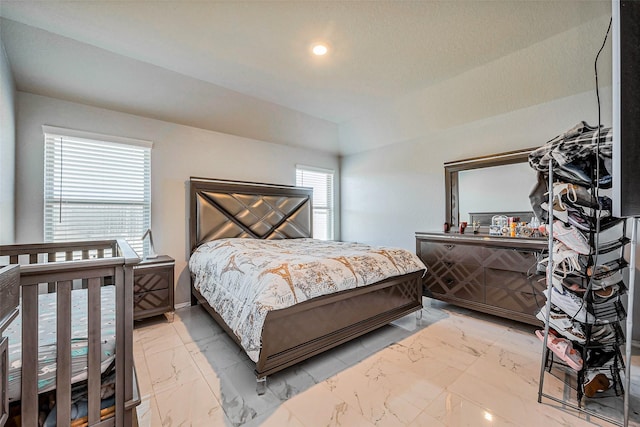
pixel 629 321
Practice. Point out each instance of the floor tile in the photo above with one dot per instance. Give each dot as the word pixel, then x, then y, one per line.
pixel 450 409
pixel 189 403
pixel 235 389
pixel 195 324
pixel 380 391
pixel 170 368
pixel 216 353
pixel 320 407
pixel 157 337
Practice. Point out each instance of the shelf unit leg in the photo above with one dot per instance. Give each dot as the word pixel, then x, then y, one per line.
pixel 550 266
pixel 630 298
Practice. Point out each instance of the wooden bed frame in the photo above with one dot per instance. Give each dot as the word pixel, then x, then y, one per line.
pixel 59 265
pixel 221 209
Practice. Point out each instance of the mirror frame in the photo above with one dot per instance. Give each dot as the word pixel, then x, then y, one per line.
pixel 452 168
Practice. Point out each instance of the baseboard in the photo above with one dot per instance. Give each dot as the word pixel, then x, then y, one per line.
pixel 186 304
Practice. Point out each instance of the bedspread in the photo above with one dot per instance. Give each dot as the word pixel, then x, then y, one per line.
pixel 244 279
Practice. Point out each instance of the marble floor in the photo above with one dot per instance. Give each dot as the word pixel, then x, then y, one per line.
pixel 453 367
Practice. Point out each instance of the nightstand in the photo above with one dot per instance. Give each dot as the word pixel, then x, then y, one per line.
pixel 153 287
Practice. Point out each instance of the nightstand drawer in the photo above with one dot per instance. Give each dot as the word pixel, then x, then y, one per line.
pixel 151 279
pixel 153 286
pixel 151 303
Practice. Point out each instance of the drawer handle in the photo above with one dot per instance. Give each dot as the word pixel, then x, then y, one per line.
pixel 450 281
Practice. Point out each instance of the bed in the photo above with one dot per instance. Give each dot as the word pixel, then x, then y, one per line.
pixel 79 294
pixel 225 211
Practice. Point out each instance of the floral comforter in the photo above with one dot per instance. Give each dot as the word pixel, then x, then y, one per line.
pixel 244 279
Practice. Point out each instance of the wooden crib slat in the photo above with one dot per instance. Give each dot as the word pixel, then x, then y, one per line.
pixel 63 359
pixel 126 347
pixel 51 287
pixel 29 349
pixel 13 259
pixel 94 349
pixel 33 258
pixel 120 349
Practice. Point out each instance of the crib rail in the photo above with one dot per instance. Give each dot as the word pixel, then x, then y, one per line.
pixel 59 265
pixel 9 301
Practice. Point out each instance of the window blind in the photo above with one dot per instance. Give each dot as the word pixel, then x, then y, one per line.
pixel 321 180
pixel 96 188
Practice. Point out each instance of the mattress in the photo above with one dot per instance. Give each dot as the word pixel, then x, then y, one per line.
pixel 244 279
pixel 47 340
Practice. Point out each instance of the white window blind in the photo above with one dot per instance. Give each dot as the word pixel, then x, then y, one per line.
pixel 321 180
pixel 96 187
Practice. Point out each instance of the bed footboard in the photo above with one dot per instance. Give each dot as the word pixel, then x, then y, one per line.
pixel 294 334
pixel 304 330
pixel 60 267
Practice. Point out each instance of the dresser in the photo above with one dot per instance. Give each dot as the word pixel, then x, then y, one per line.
pixel 492 274
pixel 153 287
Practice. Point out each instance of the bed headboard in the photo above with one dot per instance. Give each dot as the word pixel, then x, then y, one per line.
pixel 220 209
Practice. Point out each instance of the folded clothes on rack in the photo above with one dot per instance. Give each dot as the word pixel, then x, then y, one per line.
pixel 572 151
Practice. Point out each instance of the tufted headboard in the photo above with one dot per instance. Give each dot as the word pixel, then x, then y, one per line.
pixel 220 209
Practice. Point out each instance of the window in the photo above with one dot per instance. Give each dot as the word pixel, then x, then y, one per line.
pixel 321 180
pixel 96 187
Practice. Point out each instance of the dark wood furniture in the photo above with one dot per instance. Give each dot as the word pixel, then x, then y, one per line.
pixel 93 264
pixel 263 211
pixel 495 275
pixel 153 287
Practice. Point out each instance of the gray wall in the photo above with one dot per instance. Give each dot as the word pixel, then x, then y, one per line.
pixel 7 150
pixel 178 153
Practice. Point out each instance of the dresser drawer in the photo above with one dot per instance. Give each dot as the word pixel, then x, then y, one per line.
pixel 462 281
pixel 519 302
pixel 516 281
pixel 521 260
pixel 433 252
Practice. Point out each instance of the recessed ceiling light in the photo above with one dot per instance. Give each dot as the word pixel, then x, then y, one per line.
pixel 319 49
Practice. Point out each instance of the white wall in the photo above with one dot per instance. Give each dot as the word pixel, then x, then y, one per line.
pixel 178 153
pixel 7 150
pixel 390 193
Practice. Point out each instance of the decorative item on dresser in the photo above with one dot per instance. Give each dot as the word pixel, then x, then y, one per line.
pixel 496 275
pixel 153 287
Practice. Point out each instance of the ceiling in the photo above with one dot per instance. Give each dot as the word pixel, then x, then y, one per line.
pixel 255 54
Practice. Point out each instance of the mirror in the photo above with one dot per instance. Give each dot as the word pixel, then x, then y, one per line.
pixel 499 183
